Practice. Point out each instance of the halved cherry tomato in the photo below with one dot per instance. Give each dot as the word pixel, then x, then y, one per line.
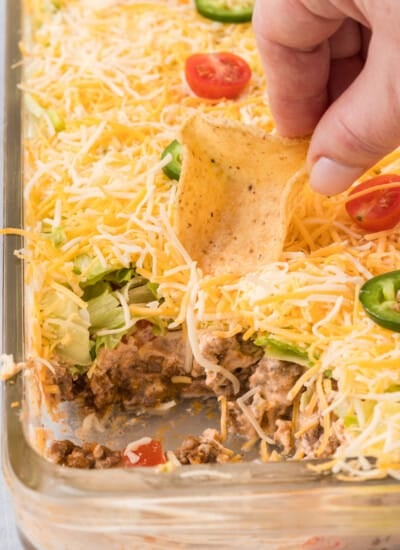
pixel 146 454
pixel 217 75
pixel 378 210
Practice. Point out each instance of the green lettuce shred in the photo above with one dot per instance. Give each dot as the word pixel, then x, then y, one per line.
pixel 277 349
pixel 93 272
pixel 105 312
pixel 93 291
pixel 90 268
pixel 57 236
pixel 36 110
pixel 110 341
pixel 121 276
pixel 67 326
pixel 153 287
pixel 55 119
pixel 78 370
pixel 141 294
pixel 350 420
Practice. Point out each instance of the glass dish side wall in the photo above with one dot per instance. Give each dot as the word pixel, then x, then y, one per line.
pixel 258 506
pixel 277 505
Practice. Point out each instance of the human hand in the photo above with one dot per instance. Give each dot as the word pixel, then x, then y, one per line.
pixel 332 68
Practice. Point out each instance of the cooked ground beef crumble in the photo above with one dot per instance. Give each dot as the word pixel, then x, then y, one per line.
pixel 145 370
pixel 87 456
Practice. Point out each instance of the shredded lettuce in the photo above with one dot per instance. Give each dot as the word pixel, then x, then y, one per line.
pixel 141 294
pixel 93 272
pixel 57 122
pixel 78 370
pixel 159 326
pixel 278 349
pixel 38 111
pixel 57 236
pixel 110 341
pixel 90 268
pixel 93 291
pixel 67 326
pixel 33 106
pixel 121 276
pixel 97 279
pixel 350 420
pixel 105 312
pixel 153 287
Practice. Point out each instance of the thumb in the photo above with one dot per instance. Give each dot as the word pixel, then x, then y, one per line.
pixel 360 127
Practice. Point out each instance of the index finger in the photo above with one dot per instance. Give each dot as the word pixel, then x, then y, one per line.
pixel 292 41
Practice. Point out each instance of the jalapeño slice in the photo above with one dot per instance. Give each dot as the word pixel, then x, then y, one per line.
pixel 173 168
pixel 226 11
pixel 380 297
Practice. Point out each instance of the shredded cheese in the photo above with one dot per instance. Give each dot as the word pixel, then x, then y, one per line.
pixel 250 417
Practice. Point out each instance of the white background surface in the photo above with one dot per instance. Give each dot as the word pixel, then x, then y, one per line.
pixel 8 537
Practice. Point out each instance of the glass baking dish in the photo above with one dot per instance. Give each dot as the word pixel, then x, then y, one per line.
pixel 253 505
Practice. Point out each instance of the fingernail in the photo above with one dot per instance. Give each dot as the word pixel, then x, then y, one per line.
pixel 330 177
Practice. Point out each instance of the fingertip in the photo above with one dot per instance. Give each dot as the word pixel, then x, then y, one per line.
pixel 330 177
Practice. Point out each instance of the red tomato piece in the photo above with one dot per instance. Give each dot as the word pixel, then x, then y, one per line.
pixel 217 75
pixel 378 210
pixel 147 454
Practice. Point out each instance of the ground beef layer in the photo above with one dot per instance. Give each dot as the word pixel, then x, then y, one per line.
pixel 146 370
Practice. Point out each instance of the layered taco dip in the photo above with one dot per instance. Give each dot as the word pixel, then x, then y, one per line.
pixel 174 250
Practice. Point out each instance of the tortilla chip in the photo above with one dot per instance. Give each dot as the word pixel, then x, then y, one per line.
pixel 233 199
